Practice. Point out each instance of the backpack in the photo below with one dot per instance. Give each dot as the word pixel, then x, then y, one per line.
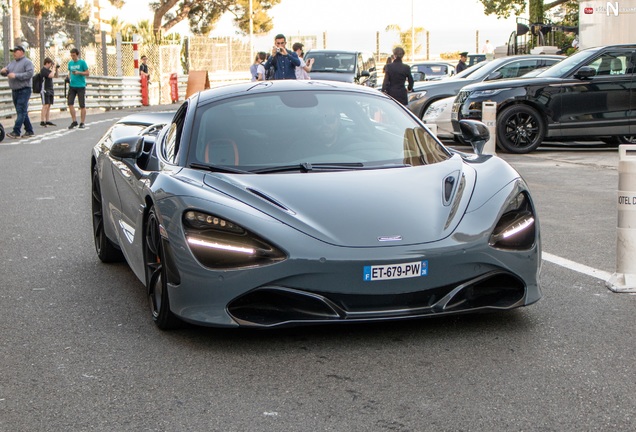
pixel 269 72
pixel 37 83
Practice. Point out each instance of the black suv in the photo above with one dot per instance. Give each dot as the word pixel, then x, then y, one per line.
pixel 347 66
pixel 590 95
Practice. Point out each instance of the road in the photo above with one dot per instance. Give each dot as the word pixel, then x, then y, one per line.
pixel 79 352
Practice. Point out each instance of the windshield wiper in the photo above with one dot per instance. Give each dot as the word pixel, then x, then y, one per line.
pixel 218 168
pixel 307 167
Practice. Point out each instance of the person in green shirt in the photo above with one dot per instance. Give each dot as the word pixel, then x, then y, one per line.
pixel 77 72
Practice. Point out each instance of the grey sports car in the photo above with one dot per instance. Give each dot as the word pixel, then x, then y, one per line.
pixel 302 202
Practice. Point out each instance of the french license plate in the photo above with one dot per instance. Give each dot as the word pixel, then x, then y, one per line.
pixel 395 271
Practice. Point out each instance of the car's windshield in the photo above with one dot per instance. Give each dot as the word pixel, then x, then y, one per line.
pixel 309 131
pixel 332 61
pixel 567 65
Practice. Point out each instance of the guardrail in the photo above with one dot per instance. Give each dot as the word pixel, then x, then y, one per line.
pixel 109 92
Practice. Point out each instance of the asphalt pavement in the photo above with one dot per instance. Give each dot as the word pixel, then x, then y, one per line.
pixel 78 350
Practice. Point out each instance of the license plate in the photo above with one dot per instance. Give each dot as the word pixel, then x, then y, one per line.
pixel 395 271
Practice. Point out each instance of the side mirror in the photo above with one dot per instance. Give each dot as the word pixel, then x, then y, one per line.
pixel 585 72
pixel 365 73
pixel 476 133
pixel 128 147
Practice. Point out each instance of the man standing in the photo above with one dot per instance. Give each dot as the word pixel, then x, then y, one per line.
pixel 20 72
pixel 488 48
pixel 143 68
pixel 396 75
pixel 78 71
pixel 47 73
pixel 462 62
pixel 302 71
pixel 285 62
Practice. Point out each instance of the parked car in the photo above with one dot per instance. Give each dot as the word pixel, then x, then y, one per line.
pixel 432 70
pixel 506 67
pixel 347 66
pixel 348 211
pixel 439 114
pixel 588 95
pixel 473 59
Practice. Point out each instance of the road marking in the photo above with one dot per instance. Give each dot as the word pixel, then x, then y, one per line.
pixel 39 138
pixel 599 274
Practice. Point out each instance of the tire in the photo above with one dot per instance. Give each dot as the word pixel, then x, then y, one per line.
pixel 107 252
pixel 626 139
pixel 520 129
pixel 156 275
pixel 1 133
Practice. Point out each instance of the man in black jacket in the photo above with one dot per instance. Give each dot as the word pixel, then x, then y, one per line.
pixel 395 76
pixel 462 62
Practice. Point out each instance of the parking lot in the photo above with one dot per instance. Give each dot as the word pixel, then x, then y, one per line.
pixel 80 352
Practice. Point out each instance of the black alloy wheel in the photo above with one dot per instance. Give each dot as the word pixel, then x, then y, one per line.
pixel 106 251
pixel 156 275
pixel 520 129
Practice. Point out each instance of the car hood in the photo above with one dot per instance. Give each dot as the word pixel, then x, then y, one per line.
pixel 384 207
pixel 452 84
pixel 332 76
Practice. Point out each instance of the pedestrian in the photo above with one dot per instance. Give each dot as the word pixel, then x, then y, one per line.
pixel 143 68
pixel 389 60
pixel 20 73
pixel 257 71
pixel 488 48
pixel 284 62
pixel 396 75
pixel 78 71
pixel 48 72
pixel 462 62
pixel 302 71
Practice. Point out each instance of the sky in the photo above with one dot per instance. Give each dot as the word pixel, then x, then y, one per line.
pixel 453 25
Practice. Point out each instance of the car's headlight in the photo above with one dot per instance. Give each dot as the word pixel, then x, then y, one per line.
pixel 516 227
pixel 435 110
pixel 416 95
pixel 487 93
pixel 218 243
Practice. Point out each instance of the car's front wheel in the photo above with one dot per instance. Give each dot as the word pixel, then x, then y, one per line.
pixel 520 129
pixel 156 274
pixel 106 251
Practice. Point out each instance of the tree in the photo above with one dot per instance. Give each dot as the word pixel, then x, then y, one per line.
pixel 406 37
pixel 203 14
pixel 505 8
pixel 39 7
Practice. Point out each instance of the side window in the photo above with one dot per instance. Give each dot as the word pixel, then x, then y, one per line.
pixel 173 136
pixel 518 68
pixel 612 63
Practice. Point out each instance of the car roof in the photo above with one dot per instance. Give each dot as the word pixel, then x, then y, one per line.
pixel 237 89
pixel 330 51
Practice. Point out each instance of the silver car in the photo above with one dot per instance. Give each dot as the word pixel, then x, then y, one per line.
pixel 303 202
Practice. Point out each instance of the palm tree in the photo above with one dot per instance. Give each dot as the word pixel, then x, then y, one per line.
pixel 39 7
pixel 117 26
pixel 406 37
